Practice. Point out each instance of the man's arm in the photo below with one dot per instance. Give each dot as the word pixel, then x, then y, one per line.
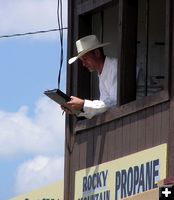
pixel 90 108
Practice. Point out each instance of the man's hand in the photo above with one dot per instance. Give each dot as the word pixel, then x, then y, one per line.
pixel 75 104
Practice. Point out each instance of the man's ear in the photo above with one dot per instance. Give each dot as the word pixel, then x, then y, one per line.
pixel 97 52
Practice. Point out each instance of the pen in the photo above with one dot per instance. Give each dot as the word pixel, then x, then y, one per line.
pixel 63 112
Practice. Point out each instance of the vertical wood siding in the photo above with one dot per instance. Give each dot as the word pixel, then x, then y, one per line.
pixel 130 134
pixel 83 6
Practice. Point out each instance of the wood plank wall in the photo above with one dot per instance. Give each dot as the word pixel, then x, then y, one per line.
pixel 132 133
pixel 84 6
pixel 127 135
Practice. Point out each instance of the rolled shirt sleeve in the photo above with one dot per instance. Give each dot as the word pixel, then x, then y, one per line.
pixel 92 108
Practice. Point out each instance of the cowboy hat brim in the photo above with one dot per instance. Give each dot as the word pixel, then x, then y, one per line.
pixel 73 59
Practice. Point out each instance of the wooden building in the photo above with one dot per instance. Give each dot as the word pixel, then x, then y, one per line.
pixel 141 32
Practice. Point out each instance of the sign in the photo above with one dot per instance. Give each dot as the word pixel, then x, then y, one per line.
pixel 50 192
pixel 122 177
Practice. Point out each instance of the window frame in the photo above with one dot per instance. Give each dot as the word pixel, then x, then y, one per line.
pixel 125 108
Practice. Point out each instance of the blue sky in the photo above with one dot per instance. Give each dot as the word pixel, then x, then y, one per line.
pixel 31 125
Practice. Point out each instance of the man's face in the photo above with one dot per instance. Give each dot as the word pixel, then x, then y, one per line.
pixel 89 60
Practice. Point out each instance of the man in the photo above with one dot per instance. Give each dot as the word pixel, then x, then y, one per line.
pixel 90 52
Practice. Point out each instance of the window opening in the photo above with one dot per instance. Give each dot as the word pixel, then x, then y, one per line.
pixel 106 31
pixel 150 64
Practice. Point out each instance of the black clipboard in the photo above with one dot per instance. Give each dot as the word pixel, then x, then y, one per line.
pixel 61 98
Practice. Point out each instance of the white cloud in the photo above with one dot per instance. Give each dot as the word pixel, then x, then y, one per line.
pixel 38 172
pixel 43 134
pixel 30 15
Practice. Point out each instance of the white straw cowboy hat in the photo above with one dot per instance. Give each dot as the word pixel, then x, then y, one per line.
pixel 85 45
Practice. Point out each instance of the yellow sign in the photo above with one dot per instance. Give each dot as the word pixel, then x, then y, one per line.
pixel 122 177
pixel 51 192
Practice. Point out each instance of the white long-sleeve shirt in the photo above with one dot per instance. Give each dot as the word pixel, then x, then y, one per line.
pixel 108 90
